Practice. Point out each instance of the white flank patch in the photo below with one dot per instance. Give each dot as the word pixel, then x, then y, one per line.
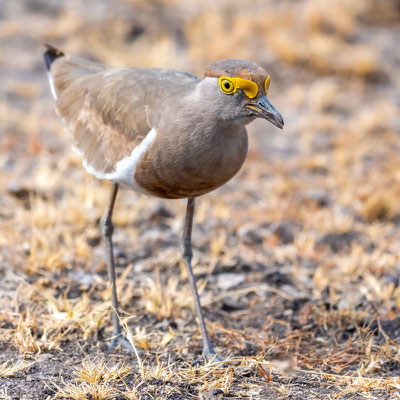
pixel 76 150
pixel 124 170
pixel 52 88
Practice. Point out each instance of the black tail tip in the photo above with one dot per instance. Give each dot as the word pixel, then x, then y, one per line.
pixel 50 55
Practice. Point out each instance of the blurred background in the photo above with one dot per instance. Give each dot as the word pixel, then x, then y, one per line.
pixel 314 213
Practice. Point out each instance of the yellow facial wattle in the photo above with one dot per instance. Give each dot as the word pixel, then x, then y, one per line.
pixel 229 86
pixel 266 84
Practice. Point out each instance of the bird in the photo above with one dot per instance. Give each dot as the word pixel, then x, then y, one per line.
pixel 162 133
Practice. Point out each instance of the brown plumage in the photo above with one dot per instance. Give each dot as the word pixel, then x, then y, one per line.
pixel 161 132
pixel 109 111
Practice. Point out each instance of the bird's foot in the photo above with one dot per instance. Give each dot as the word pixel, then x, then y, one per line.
pixel 121 340
pixel 210 357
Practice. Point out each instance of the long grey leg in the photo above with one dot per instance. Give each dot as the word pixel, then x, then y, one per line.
pixel 187 253
pixel 107 229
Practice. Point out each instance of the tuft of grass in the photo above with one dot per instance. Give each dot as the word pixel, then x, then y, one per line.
pixel 95 371
pixel 84 390
pixel 94 379
pixel 381 206
pixel 169 299
pixel 4 394
pixel 8 368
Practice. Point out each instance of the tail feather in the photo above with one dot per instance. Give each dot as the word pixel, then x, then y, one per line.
pixel 50 55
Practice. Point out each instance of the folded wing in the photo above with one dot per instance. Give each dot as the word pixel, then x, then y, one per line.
pixel 102 108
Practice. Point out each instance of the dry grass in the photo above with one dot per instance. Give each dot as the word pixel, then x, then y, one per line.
pixel 8 368
pixel 93 371
pixel 297 258
pixel 166 300
pixel 101 381
pixel 94 379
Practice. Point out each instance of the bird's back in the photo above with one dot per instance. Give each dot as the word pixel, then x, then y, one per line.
pixel 108 110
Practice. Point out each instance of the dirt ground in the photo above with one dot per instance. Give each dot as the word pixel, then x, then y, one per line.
pixel 297 258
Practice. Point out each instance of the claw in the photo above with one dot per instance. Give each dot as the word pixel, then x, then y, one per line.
pixel 120 340
pixel 211 357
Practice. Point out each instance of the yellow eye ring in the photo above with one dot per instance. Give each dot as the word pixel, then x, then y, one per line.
pixel 230 85
pixel 266 84
pixel 227 86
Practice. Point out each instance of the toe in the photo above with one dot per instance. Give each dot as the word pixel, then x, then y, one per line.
pixel 210 357
pixel 120 340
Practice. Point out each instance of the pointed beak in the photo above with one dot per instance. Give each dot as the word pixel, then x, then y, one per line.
pixel 264 109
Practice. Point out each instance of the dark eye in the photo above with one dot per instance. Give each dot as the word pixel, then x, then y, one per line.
pixel 227 86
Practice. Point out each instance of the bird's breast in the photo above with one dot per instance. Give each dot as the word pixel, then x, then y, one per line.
pixel 182 165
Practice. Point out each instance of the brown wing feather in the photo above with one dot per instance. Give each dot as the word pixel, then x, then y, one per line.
pixel 102 109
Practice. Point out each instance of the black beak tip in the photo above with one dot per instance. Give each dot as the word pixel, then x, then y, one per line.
pixel 277 120
pixel 264 109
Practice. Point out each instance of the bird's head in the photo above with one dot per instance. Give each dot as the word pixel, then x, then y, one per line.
pixel 238 90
